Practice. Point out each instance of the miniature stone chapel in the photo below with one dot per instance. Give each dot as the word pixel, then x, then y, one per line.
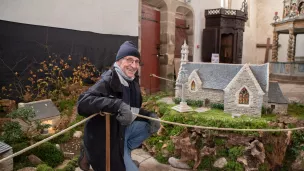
pixel 242 88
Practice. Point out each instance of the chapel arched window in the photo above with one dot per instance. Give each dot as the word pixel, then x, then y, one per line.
pixel 193 86
pixel 244 96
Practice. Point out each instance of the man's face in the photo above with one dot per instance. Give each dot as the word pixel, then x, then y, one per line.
pixel 129 65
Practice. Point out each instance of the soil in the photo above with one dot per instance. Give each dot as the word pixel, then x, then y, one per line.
pixel 71 148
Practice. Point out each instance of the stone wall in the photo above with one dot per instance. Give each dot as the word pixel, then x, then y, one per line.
pixel 231 99
pixel 280 109
pixel 215 96
pixel 8 164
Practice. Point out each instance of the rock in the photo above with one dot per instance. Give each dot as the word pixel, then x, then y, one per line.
pixel 294 100
pixel 178 164
pixel 254 155
pixel 57 146
pixel 34 159
pixel 77 134
pixel 28 169
pixel 287 120
pixel 298 163
pixel 220 163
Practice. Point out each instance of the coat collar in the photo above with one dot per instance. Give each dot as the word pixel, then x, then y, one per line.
pixel 115 84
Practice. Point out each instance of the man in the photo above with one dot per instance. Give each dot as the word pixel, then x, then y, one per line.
pixel 118 93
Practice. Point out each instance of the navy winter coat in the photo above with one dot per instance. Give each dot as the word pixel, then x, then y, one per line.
pixel 105 96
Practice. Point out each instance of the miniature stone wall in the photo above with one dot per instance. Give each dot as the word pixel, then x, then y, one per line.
pixel 280 109
pixel 8 164
pixel 231 104
pixel 215 96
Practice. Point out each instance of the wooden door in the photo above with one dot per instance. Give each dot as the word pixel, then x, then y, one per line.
pixel 210 45
pixel 226 55
pixel 150 41
pixel 180 36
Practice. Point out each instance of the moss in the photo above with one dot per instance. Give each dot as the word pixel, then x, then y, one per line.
pixel 233 166
pixel 160 158
pixel 44 167
pixel 170 147
pixel 222 152
pixel 235 152
pixel 207 163
pixel 268 148
pixel 296 110
pixel 263 167
pixel 219 141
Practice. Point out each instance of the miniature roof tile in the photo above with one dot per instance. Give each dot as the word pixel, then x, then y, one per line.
pixel 218 76
pixel 4 147
pixel 275 94
pixel 43 109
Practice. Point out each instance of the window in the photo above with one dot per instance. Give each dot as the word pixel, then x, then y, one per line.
pixel 193 86
pixel 272 106
pixel 244 96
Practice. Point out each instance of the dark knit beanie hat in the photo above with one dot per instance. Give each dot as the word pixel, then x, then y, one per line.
pixel 127 49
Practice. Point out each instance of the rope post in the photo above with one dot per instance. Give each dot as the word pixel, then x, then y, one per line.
pixel 108 138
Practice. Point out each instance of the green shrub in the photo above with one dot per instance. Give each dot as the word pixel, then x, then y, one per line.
pixel 44 167
pixel 12 133
pixel 48 153
pixel 177 100
pixel 217 106
pixel 196 103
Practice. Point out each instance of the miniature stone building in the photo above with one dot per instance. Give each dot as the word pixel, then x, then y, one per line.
pixel 46 112
pixel 242 88
pixel 5 151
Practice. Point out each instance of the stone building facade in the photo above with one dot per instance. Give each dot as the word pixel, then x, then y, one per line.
pixel 242 88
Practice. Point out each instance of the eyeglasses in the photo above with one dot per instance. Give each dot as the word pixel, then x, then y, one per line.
pixel 130 61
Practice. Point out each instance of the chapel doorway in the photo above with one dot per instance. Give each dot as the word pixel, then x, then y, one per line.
pixel 150 42
pixel 226 53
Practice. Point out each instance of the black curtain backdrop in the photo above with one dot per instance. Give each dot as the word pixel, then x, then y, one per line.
pixel 24 44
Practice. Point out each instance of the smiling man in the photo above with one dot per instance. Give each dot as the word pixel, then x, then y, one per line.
pixel 117 92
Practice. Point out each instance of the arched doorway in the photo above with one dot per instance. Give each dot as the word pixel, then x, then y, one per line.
pixel 184 24
pixel 183 30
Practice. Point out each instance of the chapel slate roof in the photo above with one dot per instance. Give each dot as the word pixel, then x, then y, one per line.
pixel 218 76
pixel 275 94
pixel 4 147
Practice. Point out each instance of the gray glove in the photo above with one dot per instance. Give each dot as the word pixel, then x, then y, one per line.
pixel 124 115
pixel 154 125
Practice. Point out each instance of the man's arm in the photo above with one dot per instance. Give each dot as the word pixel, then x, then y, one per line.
pixel 97 99
pixel 93 102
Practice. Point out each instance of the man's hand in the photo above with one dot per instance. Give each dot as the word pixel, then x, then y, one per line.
pixel 124 115
pixel 154 125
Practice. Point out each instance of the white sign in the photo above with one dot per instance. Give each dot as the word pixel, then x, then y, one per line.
pixel 215 58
